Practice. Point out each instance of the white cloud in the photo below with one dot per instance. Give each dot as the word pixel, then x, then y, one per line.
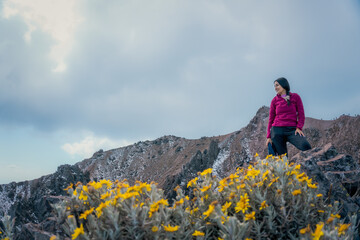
pixel 90 144
pixel 59 19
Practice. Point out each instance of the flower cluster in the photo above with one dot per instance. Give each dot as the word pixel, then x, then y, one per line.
pixel 270 199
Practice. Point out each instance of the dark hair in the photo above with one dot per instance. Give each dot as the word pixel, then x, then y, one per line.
pixel 284 83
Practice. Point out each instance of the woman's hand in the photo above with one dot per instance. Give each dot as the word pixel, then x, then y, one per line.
pixel 268 140
pixel 298 131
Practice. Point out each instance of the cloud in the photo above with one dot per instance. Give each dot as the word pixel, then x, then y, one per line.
pixel 90 144
pixel 59 19
pixel 140 68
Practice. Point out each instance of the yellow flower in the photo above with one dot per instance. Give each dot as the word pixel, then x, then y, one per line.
pixel 335 216
pixel 194 211
pixel 263 205
pixel 101 207
pixel 70 216
pixel 140 186
pixel 304 179
pixel 279 191
pixel 95 185
pixel 256 155
pixel 155 206
pixel 78 231
pixel 86 213
pixel 221 188
pixel 318 231
pixel 321 211
pixel 250 216
pixel 312 185
pixel 233 176
pixel 296 192
pixel 204 189
pixel 209 211
pixel 300 175
pixel 272 181
pixel 53 237
pixel 205 172
pixel 297 167
pixel 305 230
pixel 265 174
pixel 83 196
pixel 319 195
pixel 154 229
pixel 342 229
pixel 107 182
pixel 85 188
pixel 171 228
pixel 243 204
pixel 330 220
pixel 105 195
pixel 69 187
pixel 253 173
pixel 198 233
pixel 180 202
pixel 232 195
pixel 225 207
pixel 128 195
pixel 75 193
pixel 292 172
pixel 224 219
pixel 192 183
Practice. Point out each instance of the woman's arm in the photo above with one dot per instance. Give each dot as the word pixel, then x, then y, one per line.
pixel 300 113
pixel 272 114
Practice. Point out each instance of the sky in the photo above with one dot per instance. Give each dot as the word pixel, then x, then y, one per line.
pixel 79 76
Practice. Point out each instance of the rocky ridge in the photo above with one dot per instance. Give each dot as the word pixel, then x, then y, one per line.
pixel 172 161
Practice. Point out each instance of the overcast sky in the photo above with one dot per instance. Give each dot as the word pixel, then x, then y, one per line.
pixel 77 76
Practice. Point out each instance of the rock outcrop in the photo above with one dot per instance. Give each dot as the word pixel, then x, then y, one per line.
pixel 30 201
pixel 338 175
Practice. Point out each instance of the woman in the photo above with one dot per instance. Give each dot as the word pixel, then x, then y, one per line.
pixel 286 119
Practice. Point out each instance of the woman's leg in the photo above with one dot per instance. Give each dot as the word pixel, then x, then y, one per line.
pixel 299 142
pixel 279 140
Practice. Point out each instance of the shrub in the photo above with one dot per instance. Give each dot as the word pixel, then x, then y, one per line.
pixel 8 224
pixel 270 199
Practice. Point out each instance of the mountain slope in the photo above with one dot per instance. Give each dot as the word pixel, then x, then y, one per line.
pixel 166 156
pixel 169 161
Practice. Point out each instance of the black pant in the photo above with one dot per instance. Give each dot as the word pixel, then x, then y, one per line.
pixel 281 135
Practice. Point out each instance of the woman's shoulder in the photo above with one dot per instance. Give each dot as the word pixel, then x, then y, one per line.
pixel 294 95
pixel 275 99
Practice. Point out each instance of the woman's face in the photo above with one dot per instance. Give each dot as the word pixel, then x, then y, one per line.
pixel 279 89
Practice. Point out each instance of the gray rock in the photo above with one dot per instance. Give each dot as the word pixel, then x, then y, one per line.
pixel 30 201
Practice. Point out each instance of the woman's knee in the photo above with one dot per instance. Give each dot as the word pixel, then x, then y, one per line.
pixel 305 145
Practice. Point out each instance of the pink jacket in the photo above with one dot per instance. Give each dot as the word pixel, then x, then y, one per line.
pixel 282 115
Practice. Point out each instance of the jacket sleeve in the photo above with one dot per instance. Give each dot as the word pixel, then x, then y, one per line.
pixel 272 114
pixel 300 113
